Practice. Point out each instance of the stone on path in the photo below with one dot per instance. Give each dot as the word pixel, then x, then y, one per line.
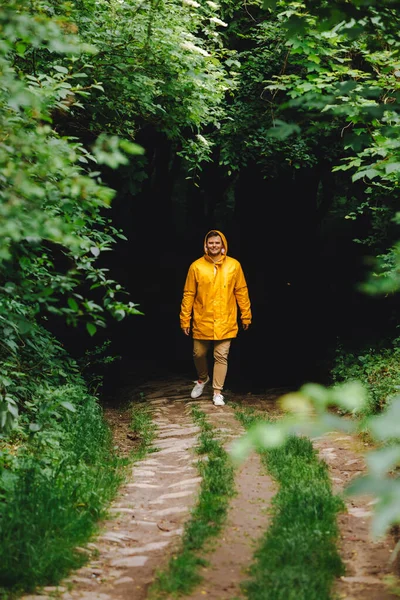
pixel 149 462
pixel 366 580
pixel 151 523
pixel 192 481
pixel 142 485
pixel 122 580
pixel 130 561
pixel 94 596
pixel 142 473
pixel 164 497
pixel 359 512
pixel 141 549
pixel 171 511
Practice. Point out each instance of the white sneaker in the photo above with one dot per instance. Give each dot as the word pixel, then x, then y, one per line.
pixel 198 388
pixel 218 400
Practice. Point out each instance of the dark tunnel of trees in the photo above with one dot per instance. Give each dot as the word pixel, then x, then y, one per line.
pixel 303 272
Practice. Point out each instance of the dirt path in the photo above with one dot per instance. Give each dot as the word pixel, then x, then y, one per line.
pixel 150 511
pixel 367 562
pixel 246 522
pixel 147 518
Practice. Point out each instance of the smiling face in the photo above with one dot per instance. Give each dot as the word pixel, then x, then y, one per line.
pixel 214 246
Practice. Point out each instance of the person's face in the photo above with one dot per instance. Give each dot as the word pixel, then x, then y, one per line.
pixel 214 246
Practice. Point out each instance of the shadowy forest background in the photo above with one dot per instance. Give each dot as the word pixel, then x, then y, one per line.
pixel 128 130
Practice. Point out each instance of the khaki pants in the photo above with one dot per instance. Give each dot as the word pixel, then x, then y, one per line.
pixel 221 351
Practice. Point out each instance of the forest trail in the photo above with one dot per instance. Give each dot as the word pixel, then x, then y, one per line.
pixel 147 518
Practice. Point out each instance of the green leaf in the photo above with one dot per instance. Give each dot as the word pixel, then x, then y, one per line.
pixel 383 460
pixel 386 514
pixel 131 148
pixel 260 435
pixel 24 326
pixel 393 167
pixel 369 485
pixel 282 130
pixel 269 4
pixel 316 392
pixel 13 410
pixel 91 328
pixel 386 426
pixel 68 406
pixel 351 395
pixel 20 48
pixel 73 304
pixel 119 314
pixel 370 173
pixel 60 69
pixel 34 427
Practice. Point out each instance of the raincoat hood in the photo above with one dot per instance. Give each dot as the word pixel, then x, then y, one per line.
pixel 224 242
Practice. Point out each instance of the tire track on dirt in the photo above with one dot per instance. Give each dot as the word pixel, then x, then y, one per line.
pixel 247 518
pixel 149 514
pixel 147 518
pixel 367 561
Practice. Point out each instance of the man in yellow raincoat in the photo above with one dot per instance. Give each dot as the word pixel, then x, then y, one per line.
pixel 215 286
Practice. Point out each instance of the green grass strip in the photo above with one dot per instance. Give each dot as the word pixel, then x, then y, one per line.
pixel 61 486
pixel 297 558
pixel 142 425
pixel 207 518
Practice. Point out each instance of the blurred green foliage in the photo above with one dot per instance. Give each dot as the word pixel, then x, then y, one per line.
pixel 313 411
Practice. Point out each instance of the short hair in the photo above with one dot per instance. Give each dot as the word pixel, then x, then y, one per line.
pixel 213 234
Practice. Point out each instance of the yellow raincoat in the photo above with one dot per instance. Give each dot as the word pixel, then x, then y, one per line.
pixel 211 295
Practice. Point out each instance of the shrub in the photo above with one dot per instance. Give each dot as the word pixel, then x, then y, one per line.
pixel 377 368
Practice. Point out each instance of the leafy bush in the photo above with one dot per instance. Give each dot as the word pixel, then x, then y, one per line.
pixel 52 204
pixel 378 369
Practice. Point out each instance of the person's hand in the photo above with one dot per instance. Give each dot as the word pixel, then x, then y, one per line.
pixel 186 330
pixel 246 326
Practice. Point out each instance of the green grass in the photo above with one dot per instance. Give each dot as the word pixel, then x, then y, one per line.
pixel 142 425
pixel 297 558
pixel 57 491
pixel 207 518
pixel 58 488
